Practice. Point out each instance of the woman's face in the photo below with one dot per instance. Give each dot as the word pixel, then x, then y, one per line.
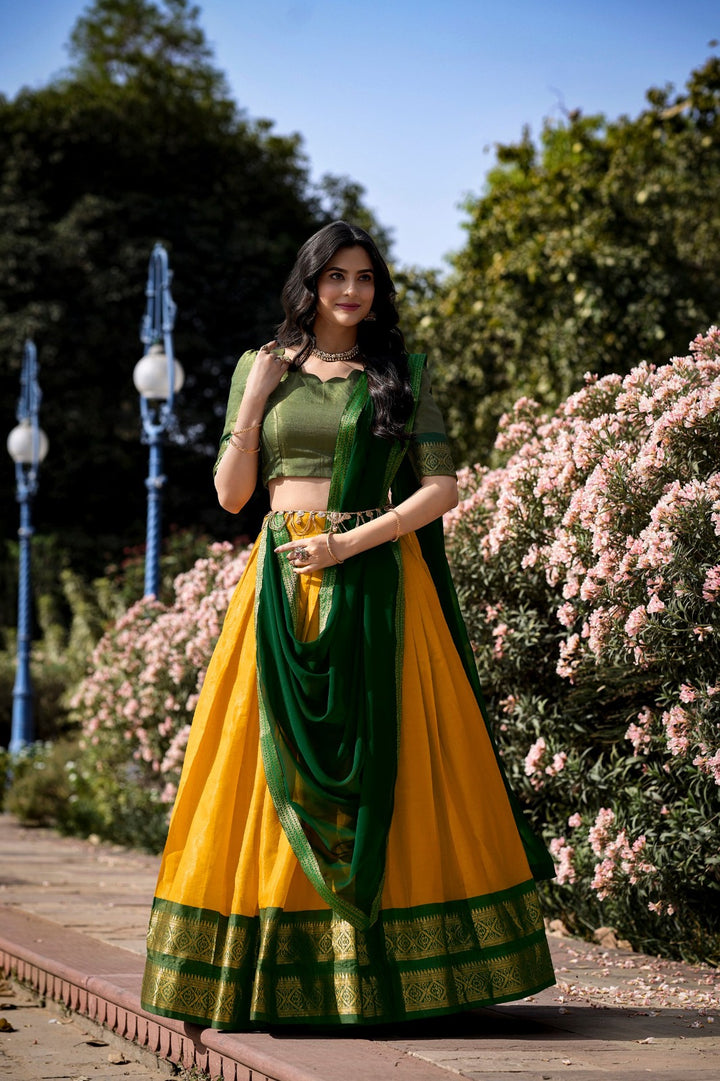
pixel 346 289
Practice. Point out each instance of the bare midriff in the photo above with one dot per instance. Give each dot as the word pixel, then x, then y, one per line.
pixel 299 493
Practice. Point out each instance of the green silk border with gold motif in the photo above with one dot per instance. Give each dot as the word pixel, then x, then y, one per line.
pixel 431 456
pixel 316 968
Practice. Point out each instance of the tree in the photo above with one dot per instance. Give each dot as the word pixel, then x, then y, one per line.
pixel 596 249
pixel 138 142
pixel 121 41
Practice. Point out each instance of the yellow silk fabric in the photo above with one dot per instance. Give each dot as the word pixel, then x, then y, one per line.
pixel 452 834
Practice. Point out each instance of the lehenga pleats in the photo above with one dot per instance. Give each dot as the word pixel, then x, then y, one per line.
pixel 239 936
pixel 453 834
pixel 225 850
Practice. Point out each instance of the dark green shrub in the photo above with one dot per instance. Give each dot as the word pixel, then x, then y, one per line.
pixel 135 704
pixel 589 572
pixel 44 788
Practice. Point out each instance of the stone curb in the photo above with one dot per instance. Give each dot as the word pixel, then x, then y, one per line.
pixel 102 983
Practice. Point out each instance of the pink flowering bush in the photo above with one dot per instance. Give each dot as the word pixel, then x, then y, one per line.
pixel 589 571
pixel 135 705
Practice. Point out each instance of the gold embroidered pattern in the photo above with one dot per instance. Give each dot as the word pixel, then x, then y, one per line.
pixel 327 941
pixel 345 995
pixel 303 521
pixel 315 966
pixel 189 994
pixel 467 983
pixel 432 459
pixel 458 930
pixel 204 939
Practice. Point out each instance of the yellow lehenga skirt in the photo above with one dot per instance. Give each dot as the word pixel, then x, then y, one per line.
pixel 239 937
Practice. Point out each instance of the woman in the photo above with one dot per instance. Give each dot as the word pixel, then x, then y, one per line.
pixel 343 847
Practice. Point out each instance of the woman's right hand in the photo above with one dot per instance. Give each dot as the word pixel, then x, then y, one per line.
pixel 236 475
pixel 268 368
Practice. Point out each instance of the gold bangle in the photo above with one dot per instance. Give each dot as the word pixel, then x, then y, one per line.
pixel 250 428
pixel 330 551
pixel 244 450
pixel 398 524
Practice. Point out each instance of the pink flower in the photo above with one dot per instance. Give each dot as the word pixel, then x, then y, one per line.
pixel 563 854
pixel 500 633
pixel 608 510
pixel 566 615
pixel 534 757
pixel 711 585
pixel 713 766
pixel 598 833
pixel 676 722
pixel 618 856
pixel 709 765
pixel 661 907
pixel 557 765
pixel 639 734
pixel 603 877
pixel 132 704
pixel 636 621
pixel 570 657
pixel 168 793
pixel 531 557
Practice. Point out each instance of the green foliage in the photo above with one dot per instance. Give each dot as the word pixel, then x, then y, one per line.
pixel 588 568
pixel 73 783
pixel 72 615
pixel 47 785
pixel 45 789
pixel 117 41
pixel 52 675
pixel 124 581
pixel 595 249
pixel 136 700
pixel 139 142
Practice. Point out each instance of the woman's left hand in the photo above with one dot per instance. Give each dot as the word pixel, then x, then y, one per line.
pixel 308 554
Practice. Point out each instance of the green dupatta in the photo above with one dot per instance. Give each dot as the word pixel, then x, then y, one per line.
pixel 330 708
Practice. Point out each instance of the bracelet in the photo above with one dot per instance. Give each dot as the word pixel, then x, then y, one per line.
pixel 244 450
pixel 250 428
pixel 330 551
pixel 398 523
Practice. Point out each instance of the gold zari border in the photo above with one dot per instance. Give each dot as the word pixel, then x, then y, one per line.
pixel 431 459
pixel 315 966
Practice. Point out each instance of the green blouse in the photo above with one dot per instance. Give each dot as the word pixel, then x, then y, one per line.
pixel 301 422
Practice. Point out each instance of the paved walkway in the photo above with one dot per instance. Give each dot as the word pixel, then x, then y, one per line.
pixel 72 925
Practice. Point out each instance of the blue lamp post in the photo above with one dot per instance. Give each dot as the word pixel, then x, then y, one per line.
pixel 157 377
pixel 27 445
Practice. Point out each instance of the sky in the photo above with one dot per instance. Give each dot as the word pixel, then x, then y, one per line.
pixel 409 97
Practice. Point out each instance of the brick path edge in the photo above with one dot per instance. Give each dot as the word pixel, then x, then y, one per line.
pixel 102 982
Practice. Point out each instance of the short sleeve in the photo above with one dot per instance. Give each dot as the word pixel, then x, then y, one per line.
pixel 429 449
pixel 237 389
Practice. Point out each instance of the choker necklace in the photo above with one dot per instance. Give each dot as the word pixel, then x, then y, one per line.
pixel 333 358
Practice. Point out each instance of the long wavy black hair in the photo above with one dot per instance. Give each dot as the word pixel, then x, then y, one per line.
pixel 381 341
